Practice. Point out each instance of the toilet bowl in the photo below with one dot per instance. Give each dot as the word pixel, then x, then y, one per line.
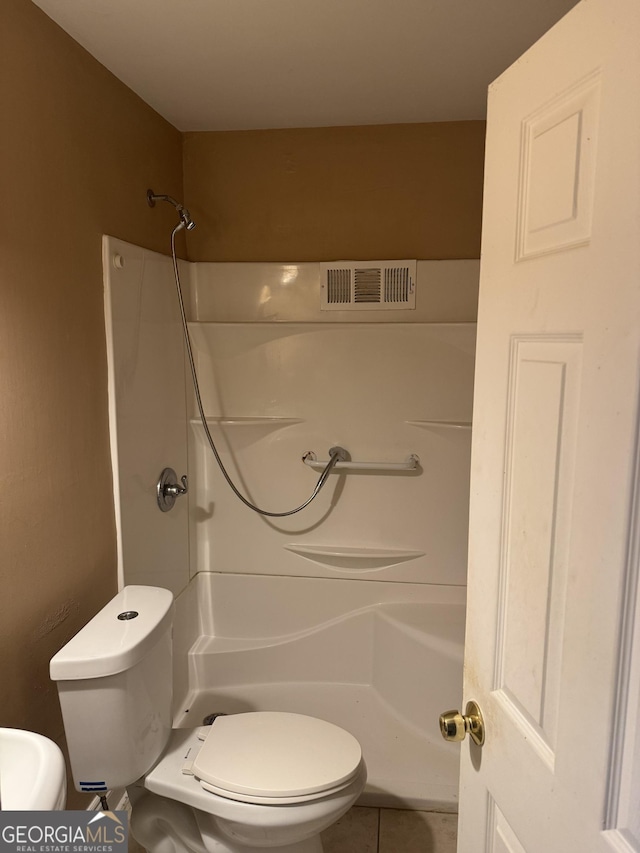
pixel 229 821
pixel 261 779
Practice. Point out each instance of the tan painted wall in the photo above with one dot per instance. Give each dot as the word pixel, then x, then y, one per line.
pixel 394 191
pixel 77 153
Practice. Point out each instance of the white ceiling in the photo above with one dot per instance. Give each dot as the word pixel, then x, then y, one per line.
pixel 241 64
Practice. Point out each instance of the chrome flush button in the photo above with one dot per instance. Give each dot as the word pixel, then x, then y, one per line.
pixel 127 614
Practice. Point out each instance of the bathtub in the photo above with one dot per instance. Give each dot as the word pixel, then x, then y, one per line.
pixel 380 659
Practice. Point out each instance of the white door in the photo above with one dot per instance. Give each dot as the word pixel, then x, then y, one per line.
pixel 552 657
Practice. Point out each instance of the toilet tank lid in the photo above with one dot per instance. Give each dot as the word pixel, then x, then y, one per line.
pixel 107 644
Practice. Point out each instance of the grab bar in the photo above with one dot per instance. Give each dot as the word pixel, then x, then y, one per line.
pixel 412 462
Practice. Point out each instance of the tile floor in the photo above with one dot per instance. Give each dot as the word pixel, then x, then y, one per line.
pixel 368 830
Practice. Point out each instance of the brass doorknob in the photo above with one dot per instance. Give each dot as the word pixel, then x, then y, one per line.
pixel 455 726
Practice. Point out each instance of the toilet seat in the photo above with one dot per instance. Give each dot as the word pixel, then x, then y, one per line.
pixel 272 801
pixel 272 757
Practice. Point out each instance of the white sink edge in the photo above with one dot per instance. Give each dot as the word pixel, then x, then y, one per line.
pixel 32 772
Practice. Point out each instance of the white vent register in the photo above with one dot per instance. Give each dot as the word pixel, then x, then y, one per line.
pixel 367 285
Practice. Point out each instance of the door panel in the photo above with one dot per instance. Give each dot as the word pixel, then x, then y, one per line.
pixel 542 410
pixel 557 171
pixel 502 837
pixel 551 648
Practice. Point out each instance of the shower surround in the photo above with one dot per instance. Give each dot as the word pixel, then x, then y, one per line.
pixel 353 610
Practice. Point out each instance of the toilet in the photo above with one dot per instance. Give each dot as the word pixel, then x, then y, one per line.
pixel 262 779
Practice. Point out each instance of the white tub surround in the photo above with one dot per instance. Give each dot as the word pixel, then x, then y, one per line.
pixel 377 658
pixel 352 610
pixel 147 412
pixel 283 381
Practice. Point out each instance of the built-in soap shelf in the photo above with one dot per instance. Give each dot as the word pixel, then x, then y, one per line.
pixel 440 424
pixel 350 558
pixel 275 423
pixel 246 430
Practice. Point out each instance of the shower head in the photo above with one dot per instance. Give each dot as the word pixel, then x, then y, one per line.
pixel 183 213
pixel 185 218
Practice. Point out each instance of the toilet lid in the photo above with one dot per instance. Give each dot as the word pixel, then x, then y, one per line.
pixel 275 754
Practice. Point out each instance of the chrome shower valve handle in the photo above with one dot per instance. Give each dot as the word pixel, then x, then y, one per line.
pixel 168 488
pixel 175 489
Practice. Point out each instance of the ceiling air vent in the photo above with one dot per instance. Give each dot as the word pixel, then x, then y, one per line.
pixel 367 285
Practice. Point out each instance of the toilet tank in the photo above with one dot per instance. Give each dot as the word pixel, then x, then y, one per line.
pixel 114 681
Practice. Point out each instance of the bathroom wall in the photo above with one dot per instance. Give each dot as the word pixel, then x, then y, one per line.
pixel 313 194
pixel 78 151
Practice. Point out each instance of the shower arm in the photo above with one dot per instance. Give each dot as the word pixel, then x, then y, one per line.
pixel 185 217
pixel 152 198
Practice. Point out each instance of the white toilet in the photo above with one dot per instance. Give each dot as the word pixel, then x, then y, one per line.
pixel 256 780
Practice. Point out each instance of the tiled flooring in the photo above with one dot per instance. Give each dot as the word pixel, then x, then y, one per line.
pixel 366 830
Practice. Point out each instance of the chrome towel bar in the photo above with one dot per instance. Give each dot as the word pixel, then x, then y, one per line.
pixel 412 463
